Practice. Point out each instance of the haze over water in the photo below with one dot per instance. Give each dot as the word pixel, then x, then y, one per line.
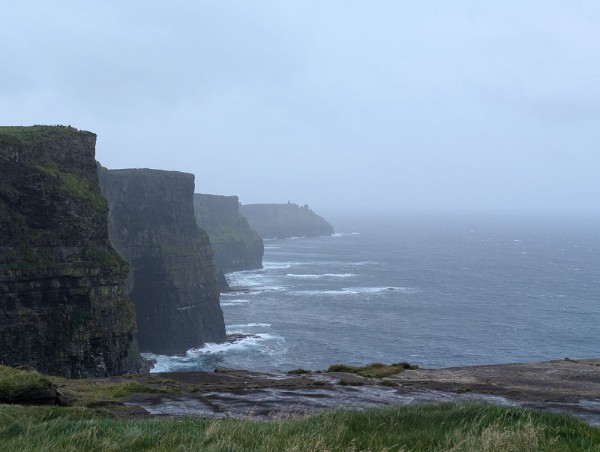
pixel 435 292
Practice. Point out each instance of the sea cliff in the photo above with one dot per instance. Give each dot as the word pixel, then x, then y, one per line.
pixel 173 281
pixel 63 307
pixel 285 220
pixel 236 246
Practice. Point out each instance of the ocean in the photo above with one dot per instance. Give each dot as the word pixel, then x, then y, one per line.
pixel 435 291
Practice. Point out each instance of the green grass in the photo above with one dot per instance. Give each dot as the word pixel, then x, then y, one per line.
pixel 420 428
pixel 298 371
pixel 17 381
pixel 89 393
pixel 78 392
pixel 374 370
pixel 32 134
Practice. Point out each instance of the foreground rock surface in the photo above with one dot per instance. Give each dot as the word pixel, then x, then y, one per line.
pixel 237 246
pixel 173 281
pixel 285 220
pixel 570 386
pixel 63 308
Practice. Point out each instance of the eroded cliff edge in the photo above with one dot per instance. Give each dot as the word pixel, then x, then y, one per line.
pixel 285 220
pixel 237 246
pixel 63 307
pixel 173 281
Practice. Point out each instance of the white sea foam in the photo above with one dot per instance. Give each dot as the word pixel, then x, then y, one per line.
pixel 326 275
pixel 254 281
pixel 245 278
pixel 270 265
pixel 246 325
pixel 191 359
pixel 344 234
pixel 234 302
pixel 356 291
pixel 230 294
pixel 319 292
pixel 376 290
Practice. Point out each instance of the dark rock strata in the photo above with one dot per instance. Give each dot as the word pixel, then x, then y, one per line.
pixel 173 284
pixel 63 308
pixel 285 220
pixel 236 246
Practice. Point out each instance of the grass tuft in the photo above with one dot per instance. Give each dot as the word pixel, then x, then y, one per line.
pixel 374 370
pixel 298 371
pixel 15 381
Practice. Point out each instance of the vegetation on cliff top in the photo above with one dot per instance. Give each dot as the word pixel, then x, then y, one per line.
pixel 32 134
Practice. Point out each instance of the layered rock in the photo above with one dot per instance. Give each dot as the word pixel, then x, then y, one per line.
pixel 236 245
pixel 285 220
pixel 173 281
pixel 63 307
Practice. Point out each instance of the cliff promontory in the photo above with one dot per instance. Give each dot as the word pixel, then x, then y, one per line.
pixel 173 282
pixel 63 308
pixel 236 246
pixel 285 220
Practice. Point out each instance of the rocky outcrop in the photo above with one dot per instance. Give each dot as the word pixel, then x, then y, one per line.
pixel 285 220
pixel 63 307
pixel 236 246
pixel 173 281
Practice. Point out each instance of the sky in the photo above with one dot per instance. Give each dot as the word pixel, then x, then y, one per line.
pixel 348 106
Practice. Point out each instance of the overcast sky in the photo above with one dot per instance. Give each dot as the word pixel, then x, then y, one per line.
pixel 343 105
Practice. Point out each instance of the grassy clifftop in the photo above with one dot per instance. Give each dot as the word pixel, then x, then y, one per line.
pixel 22 134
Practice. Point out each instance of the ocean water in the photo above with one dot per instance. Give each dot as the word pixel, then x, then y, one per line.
pixel 434 292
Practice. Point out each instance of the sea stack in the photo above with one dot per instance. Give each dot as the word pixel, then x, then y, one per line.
pixel 63 307
pixel 173 281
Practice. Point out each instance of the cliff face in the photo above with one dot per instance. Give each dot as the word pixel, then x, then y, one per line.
pixel 63 308
pixel 285 220
pixel 173 282
pixel 236 246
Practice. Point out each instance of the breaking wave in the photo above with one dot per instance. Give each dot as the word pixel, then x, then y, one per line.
pixel 326 275
pixel 210 355
pixel 355 291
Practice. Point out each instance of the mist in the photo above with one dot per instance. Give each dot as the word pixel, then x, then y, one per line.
pixel 347 106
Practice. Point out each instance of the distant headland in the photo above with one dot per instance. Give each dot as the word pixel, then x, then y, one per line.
pixel 285 220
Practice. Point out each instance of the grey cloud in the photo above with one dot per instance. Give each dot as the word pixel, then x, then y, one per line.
pixel 342 105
